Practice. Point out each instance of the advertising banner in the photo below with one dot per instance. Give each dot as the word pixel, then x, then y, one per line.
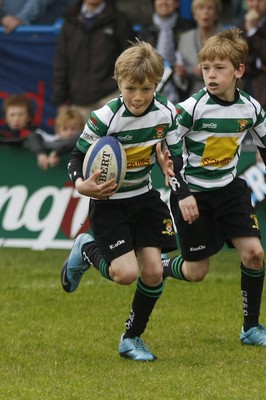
pixel 41 209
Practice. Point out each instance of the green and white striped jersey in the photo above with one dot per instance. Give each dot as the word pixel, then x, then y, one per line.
pixel 212 132
pixel 138 135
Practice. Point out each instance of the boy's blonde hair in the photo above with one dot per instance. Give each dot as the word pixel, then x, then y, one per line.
pixel 225 45
pixel 139 62
pixel 19 100
pixel 69 116
pixel 199 3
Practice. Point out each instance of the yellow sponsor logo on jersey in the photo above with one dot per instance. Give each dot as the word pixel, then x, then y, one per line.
pixel 138 156
pixel 219 151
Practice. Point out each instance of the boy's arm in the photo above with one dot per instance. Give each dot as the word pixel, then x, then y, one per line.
pixel 89 187
pixel 63 146
pixel 171 168
pixel 177 183
pixel 35 143
pixel 74 165
pixel 185 199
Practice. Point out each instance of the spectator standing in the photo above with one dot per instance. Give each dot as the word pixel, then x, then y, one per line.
pixel 92 37
pixel 163 34
pixel 206 14
pixel 254 31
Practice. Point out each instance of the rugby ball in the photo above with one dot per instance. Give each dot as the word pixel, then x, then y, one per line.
pixel 108 155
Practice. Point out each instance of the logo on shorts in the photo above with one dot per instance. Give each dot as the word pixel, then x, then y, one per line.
pixel 168 227
pixel 200 247
pixel 115 245
pixel 255 221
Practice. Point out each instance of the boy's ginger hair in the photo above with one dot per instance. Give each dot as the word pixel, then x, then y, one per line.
pixel 227 44
pixel 19 100
pixel 139 62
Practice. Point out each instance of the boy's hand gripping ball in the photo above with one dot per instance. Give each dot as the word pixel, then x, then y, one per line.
pixel 108 155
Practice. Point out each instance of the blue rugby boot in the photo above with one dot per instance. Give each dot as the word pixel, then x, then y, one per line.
pixel 76 264
pixel 254 336
pixel 135 349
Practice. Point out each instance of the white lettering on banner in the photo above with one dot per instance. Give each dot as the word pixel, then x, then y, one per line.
pixel 22 211
pixel 50 211
pixel 49 225
pixel 17 197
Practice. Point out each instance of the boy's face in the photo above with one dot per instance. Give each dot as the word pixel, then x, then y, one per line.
pixel 67 131
pixel 17 117
pixel 220 77
pixel 206 15
pixel 137 96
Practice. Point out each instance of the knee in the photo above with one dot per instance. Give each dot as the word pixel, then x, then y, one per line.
pixel 153 278
pixel 254 258
pixel 124 277
pixel 196 276
pixel 195 272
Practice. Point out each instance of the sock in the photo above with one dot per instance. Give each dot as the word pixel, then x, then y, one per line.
pixel 172 267
pixel 143 303
pixel 251 289
pixel 92 252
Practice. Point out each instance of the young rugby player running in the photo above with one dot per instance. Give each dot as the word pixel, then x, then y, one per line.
pixel 211 205
pixel 133 225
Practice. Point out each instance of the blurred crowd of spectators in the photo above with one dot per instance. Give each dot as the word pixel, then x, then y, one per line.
pixel 95 32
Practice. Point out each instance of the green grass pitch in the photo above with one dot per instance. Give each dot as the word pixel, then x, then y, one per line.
pixel 63 346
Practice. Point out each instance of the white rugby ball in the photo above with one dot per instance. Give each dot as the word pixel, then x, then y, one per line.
pixel 108 155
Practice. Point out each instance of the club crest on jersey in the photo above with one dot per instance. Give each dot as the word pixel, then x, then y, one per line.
pixel 159 132
pixel 242 124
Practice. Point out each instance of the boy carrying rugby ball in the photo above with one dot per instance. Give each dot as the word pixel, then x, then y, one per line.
pixel 132 225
